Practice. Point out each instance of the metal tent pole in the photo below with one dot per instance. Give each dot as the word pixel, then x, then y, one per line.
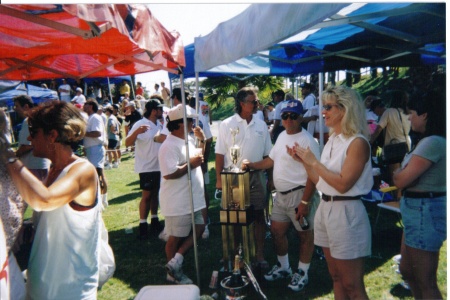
pixel 186 142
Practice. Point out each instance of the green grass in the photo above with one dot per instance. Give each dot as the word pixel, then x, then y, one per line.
pixel 141 263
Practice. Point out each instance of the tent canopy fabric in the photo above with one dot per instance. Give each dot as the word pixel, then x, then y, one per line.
pixel 36 93
pixel 45 41
pixel 359 35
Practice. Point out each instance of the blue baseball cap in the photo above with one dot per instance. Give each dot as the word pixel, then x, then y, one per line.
pixel 294 106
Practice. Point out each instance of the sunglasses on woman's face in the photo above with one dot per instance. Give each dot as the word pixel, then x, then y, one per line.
pixel 292 116
pixel 33 131
pixel 328 107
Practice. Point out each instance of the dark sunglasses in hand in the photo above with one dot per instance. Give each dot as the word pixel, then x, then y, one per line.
pixel 292 116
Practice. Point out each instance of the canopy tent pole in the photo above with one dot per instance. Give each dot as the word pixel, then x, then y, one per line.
pixel 186 143
pixel 197 108
pixel 320 112
pixel 109 91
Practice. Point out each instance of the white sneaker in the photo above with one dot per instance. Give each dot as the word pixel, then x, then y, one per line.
pixel 298 281
pixel 163 235
pixel 115 165
pixel 277 273
pixel 107 167
pixel 205 233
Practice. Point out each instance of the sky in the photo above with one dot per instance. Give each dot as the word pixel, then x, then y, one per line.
pixel 190 20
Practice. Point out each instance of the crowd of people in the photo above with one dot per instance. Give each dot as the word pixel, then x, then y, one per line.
pixel 319 193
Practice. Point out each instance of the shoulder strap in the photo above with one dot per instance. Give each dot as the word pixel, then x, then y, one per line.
pixel 401 122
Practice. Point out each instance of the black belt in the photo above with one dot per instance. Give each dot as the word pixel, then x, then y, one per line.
pixel 410 194
pixel 327 198
pixel 291 190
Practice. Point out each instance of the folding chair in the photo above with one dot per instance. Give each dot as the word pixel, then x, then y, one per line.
pixel 391 205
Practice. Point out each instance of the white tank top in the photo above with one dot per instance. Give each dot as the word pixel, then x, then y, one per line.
pixel 64 258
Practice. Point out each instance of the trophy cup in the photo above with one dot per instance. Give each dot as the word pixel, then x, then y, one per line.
pixel 235 151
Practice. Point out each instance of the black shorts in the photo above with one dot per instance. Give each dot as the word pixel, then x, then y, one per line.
pixel 112 144
pixel 150 180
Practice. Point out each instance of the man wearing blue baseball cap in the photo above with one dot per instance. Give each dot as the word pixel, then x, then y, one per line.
pixel 296 199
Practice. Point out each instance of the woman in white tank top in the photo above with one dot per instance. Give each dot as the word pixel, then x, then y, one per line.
pixel 64 257
pixel 344 173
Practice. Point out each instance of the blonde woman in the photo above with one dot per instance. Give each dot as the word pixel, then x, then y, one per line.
pixel 343 174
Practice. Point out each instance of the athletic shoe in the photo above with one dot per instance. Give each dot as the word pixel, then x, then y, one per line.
pixel 115 165
pixel 107 167
pixel 143 231
pixel 155 226
pixel 278 273
pixel 298 281
pixel 163 236
pixel 182 280
pixel 205 233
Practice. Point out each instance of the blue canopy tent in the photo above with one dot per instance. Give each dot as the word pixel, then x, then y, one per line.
pixel 38 94
pixel 360 35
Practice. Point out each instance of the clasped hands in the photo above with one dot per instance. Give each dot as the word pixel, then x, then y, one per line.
pixel 300 154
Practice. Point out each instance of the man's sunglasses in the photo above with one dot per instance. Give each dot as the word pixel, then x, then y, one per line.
pixel 292 116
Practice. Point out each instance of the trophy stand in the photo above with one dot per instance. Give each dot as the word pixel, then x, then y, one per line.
pixel 236 215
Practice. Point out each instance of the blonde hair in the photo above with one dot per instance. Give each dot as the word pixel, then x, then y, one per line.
pixel 354 119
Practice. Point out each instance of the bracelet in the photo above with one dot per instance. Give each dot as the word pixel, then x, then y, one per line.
pixel 304 202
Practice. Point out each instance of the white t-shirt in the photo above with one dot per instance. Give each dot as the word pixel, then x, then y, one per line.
pixel 79 99
pixel 64 95
pixel 333 156
pixel 164 130
pixel 309 101
pixel 95 123
pixel 146 150
pixel 259 114
pixel 253 138
pixel 271 114
pixel 287 172
pixel 313 126
pixel 203 117
pixel 277 115
pixel 28 159
pixel 174 193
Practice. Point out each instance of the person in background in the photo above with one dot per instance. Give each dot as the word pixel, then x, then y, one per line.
pixel 147 166
pixel 69 205
pixel 36 165
pixel 139 89
pixel 65 91
pixel 270 113
pixel 296 197
pixel 309 100
pixel 311 118
pixel 124 89
pixel 79 97
pixel 343 175
pixel 157 91
pixel 165 94
pixel 254 141
pixel 112 131
pixel 395 121
pixel 174 190
pixel 422 177
pixel 278 98
pixel 93 145
pixel 12 210
pixel 371 117
pixel 120 119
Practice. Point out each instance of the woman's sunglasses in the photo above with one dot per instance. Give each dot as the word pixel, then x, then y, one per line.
pixel 292 116
pixel 328 107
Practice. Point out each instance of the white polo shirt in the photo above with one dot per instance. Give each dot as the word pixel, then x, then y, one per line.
pixel 253 138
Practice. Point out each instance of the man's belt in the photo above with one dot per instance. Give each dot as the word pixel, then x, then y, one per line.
pixel 409 194
pixel 291 190
pixel 327 198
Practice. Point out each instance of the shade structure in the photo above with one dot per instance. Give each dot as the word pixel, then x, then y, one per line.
pixel 358 35
pixel 84 40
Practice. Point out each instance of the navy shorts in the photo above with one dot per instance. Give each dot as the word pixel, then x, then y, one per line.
pixel 112 144
pixel 150 180
pixel 425 221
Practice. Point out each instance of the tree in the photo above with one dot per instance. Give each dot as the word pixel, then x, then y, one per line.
pixel 219 89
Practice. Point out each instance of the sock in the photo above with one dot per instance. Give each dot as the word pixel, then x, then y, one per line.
pixel 154 216
pixel 303 266
pixel 179 258
pixel 142 220
pixel 284 261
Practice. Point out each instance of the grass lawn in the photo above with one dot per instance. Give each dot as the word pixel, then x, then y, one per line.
pixel 141 263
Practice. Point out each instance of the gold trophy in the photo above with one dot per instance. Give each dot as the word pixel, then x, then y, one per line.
pixel 235 151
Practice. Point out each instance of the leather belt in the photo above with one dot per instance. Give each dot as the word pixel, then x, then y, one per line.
pixel 410 194
pixel 291 190
pixel 327 198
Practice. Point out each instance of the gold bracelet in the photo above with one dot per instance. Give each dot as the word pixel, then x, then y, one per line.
pixel 304 202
